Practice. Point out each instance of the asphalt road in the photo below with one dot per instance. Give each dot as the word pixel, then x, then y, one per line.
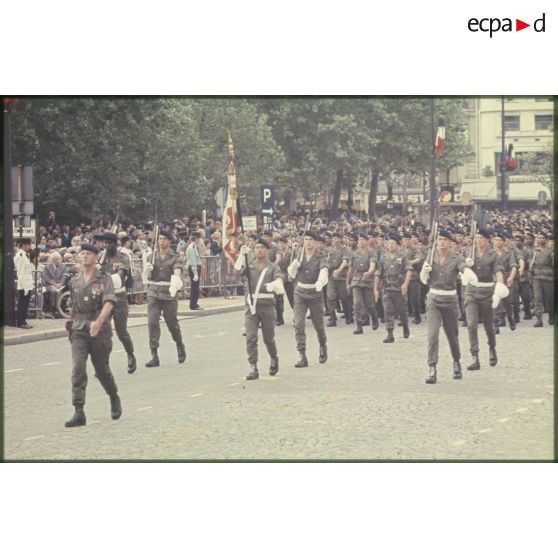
pixel 368 402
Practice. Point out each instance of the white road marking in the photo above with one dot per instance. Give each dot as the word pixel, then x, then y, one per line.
pixel 50 363
pixel 119 351
pixel 13 370
pixel 521 410
pixel 537 400
pixel 459 443
pixel 234 384
pixel 144 408
pixel 33 438
pixel 484 431
pixel 94 422
pixel 196 394
pixel 504 419
pixel 365 349
pixel 222 332
pixel 198 336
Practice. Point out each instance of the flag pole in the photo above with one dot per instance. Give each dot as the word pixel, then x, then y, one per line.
pixel 432 165
pixel 248 279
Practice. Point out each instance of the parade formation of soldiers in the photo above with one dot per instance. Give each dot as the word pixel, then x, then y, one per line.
pixel 376 274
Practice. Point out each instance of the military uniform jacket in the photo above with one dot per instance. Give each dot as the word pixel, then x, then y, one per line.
pixel 163 270
pixel 360 264
pixel 24 269
pixel 412 254
pixel 114 265
pixel 272 272
pixel 335 259
pixel 527 254
pixel 543 264
pixel 309 269
pixel 508 261
pixel 392 270
pixel 88 298
pixel 485 268
pixel 444 276
pixel 286 258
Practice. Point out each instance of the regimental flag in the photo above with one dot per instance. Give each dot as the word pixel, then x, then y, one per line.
pixel 231 221
pixel 511 161
pixel 441 137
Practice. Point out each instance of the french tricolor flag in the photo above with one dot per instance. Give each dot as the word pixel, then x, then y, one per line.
pixel 511 161
pixel 441 137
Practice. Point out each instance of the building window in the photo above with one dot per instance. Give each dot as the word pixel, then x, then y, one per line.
pixel 543 99
pixel 511 123
pixel 543 121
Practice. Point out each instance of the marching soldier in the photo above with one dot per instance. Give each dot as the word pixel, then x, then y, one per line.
pixel 415 260
pixel 542 269
pixel 163 278
pixel 287 251
pixel 482 298
pixel 338 263
pixel 394 274
pixel 524 285
pixel 442 307
pixel 117 265
pixel 311 274
pixel 93 299
pixel 360 280
pixel 266 280
pixel 279 258
pixel 510 265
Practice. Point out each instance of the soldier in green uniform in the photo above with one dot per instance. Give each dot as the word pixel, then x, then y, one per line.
pixel 163 278
pixel 279 256
pixel 338 264
pixel 442 303
pixel 266 280
pixel 360 280
pixel 526 254
pixel 311 274
pixel 510 265
pixel 394 275
pixel 480 298
pixel 287 252
pixel 542 269
pixel 117 265
pixel 413 256
pixel 93 299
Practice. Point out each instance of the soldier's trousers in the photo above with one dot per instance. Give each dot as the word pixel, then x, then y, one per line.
pixel 363 303
pixel 505 307
pixel 264 315
pixel 442 311
pixel 120 317
pixel 414 297
pixel 394 304
pixel 336 290
pixel 289 291
pixel 279 306
pixel 170 313
pixel 474 309
pixel 194 288
pixel 544 292
pixel 22 306
pixel 99 348
pixel 302 303
pixel 525 294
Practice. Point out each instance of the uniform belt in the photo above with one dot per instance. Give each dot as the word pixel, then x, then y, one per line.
pixel 120 290
pixel 159 283
pixel 485 285
pixel 442 293
pixel 262 295
pixel 306 285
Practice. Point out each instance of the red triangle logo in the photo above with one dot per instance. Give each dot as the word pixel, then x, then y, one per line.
pixel 519 25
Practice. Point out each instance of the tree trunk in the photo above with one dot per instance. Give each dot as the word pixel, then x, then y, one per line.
pixel 404 204
pixel 350 200
pixel 373 194
pixel 337 196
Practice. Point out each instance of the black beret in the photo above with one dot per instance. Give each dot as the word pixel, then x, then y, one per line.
pixel 337 235
pixel 311 234
pixel 253 236
pixel 124 239
pixel 500 234
pixel 99 236
pixel 407 234
pixel 263 242
pixel 394 237
pixel 485 232
pixel 195 234
pixel 166 234
pixel 363 235
pixel 23 241
pixel 109 237
pixel 327 233
pixel 90 248
pixel 283 239
pixel 267 233
pixel 373 234
pixel 542 233
pixel 444 233
pixel 507 234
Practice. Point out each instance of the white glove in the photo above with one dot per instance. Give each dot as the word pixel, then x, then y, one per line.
pixel 469 262
pixel 244 250
pixel 319 285
pixel 239 264
pixel 116 281
pixel 175 285
pixel 495 300
pixel 425 273
pixel 322 279
pixel 195 278
pixel 147 269
pixel 501 290
pixel 276 287
pixel 469 277
pixel 292 270
pixel 26 292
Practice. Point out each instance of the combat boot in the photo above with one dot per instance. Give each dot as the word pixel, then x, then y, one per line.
pixel 254 372
pixel 302 361
pixel 323 353
pixel 280 321
pixel 475 365
pixel 332 322
pixel 528 315
pixel 78 419
pixel 389 338
pixel 457 374
pixel 550 320
pixel 432 375
pixel 154 359
pixel 512 323
pixel 493 357
pixel 539 322
pixel 358 330
pixel 417 319
pixel 181 350
pixel 273 366
pixel 375 322
pixel 516 317
pixel 406 331
pixel 349 318
pixel 115 407
pixel 132 364
pixel 366 320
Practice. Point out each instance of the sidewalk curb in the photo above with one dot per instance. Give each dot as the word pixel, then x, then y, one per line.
pixel 57 333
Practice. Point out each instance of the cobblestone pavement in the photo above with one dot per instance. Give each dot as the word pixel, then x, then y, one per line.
pixel 369 401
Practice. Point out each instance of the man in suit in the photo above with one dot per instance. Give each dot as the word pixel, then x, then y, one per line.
pixel 53 280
